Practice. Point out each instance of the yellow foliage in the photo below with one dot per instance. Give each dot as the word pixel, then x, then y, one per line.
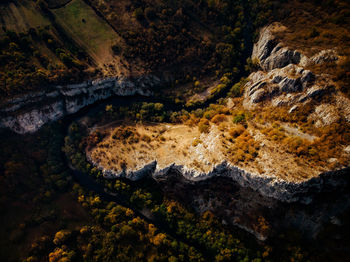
pixel 171 206
pixel 61 236
pixel 129 212
pixel 245 148
pixel 262 226
pixel 81 198
pixel 152 229
pixel 95 201
pixel 159 239
pixel 196 142
pixel 60 255
pixel 204 126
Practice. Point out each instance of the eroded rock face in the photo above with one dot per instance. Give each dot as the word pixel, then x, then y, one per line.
pixel 269 186
pixel 26 114
pixel 325 56
pixel 283 79
pixel 282 86
pixel 272 54
pixel 258 214
pixel 258 204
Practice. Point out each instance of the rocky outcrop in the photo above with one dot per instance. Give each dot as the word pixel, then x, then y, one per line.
pixel 272 54
pixel 324 56
pixel 283 79
pixel 260 215
pixel 282 86
pixel 26 114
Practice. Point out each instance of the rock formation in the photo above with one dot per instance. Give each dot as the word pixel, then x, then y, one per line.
pixel 27 113
pixel 283 79
pixel 272 54
pixel 269 186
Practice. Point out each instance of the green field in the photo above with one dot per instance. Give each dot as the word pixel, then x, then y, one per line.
pixel 87 29
pixel 21 16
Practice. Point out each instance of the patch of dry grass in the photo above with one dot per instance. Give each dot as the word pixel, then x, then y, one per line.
pixel 137 145
pixel 283 156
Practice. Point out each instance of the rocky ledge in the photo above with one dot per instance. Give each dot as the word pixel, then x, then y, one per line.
pixel 27 113
pixel 268 186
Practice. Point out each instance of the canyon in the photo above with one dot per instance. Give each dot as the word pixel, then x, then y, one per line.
pixel 284 79
pixel 281 81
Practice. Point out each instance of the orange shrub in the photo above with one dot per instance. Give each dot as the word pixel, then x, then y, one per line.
pixel 236 131
pixel 146 138
pixel 244 149
pixel 218 118
pixel 204 126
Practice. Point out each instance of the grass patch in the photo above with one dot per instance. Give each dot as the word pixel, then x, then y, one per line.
pixel 21 16
pixel 85 27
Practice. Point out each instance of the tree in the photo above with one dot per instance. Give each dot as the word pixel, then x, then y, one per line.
pixel 116 49
pixel 138 14
pixel 61 237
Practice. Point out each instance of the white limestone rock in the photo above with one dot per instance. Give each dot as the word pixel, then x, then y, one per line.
pixel 26 114
pixel 283 79
pixel 325 56
pixel 269 186
pixel 281 85
pixel 325 114
pixel 270 53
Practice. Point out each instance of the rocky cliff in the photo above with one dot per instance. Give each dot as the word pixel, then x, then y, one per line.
pixel 285 78
pixel 258 214
pixel 269 186
pixel 259 204
pixel 29 112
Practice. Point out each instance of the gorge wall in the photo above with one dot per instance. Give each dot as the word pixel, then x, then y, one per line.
pixel 269 186
pixel 27 113
pixel 261 205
